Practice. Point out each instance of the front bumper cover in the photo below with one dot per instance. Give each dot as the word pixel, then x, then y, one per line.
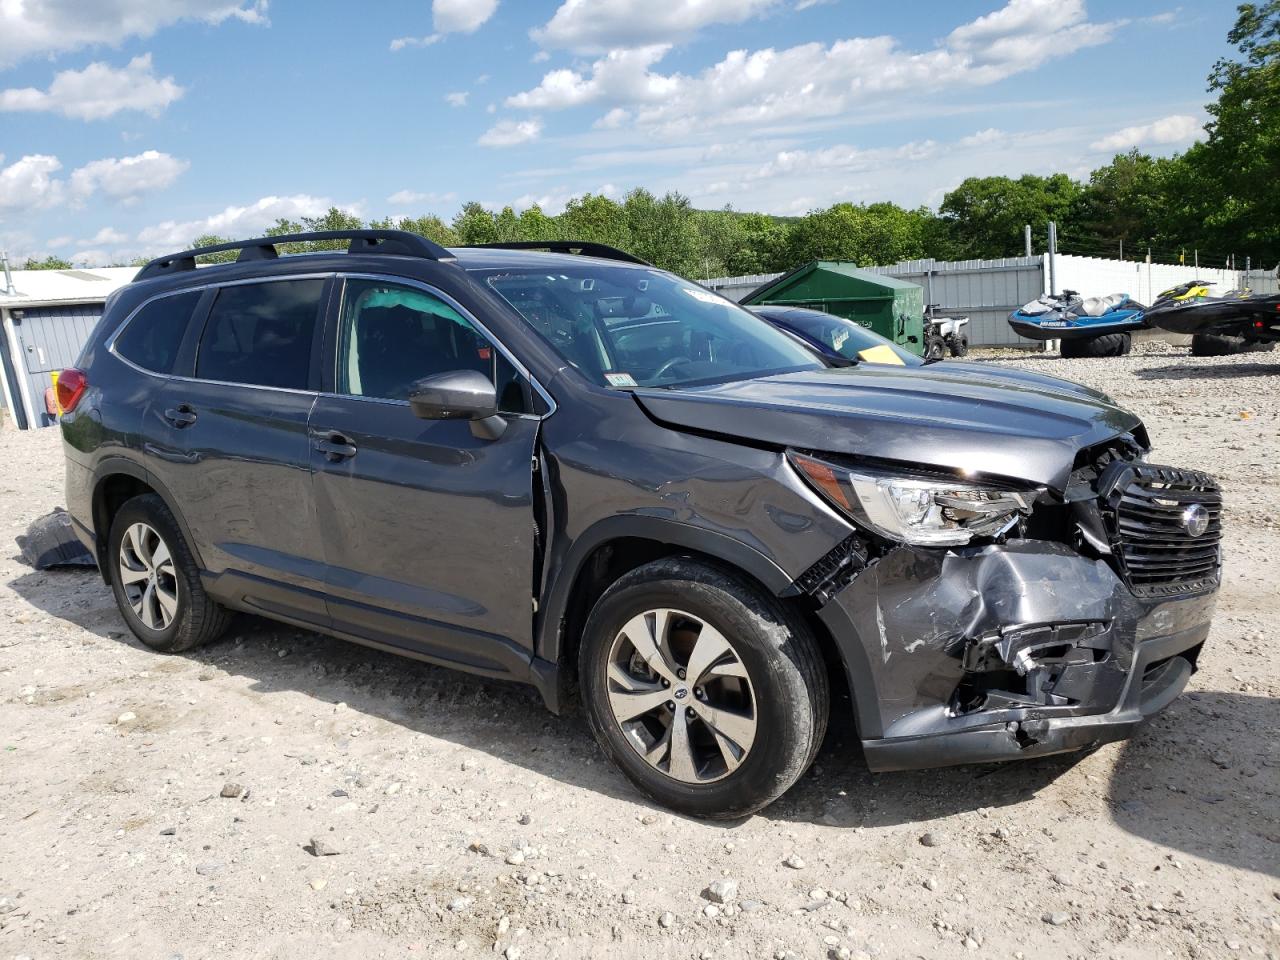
pixel 1004 652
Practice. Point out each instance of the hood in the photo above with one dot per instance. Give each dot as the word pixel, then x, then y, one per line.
pixel 992 421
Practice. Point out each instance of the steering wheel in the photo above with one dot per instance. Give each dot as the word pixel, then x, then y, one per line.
pixel 674 361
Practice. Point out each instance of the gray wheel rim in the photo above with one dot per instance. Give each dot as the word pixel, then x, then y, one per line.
pixel 148 577
pixel 681 696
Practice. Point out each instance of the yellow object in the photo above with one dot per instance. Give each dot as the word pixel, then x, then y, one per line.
pixel 880 354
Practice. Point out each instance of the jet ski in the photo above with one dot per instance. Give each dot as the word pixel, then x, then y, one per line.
pixel 1087 326
pixel 1240 313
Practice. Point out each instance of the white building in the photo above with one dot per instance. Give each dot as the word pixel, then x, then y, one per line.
pixel 46 317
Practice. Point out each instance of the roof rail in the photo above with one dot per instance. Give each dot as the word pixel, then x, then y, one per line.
pixel 583 248
pixel 397 242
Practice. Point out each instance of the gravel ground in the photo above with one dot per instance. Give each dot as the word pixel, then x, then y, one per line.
pixel 281 794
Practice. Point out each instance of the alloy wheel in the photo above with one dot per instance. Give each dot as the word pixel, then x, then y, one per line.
pixel 148 577
pixel 681 696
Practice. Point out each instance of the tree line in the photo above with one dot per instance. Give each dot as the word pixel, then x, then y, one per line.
pixel 1217 200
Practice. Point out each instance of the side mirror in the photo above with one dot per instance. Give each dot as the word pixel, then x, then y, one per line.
pixel 459 395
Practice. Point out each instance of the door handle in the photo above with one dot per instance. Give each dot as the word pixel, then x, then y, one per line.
pixel 180 416
pixel 335 446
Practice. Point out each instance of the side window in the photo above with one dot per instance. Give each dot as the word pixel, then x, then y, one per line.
pixel 392 336
pixel 154 335
pixel 261 334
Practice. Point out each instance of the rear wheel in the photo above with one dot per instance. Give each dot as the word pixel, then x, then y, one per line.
pixel 1224 344
pixel 156 581
pixel 1105 345
pixel 704 691
pixel 960 345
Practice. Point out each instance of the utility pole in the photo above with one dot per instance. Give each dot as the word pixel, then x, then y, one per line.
pixel 1197 258
pixel 1122 248
pixel 1026 237
pixel 1053 255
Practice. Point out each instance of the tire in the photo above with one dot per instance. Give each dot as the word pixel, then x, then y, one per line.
pixel 773 673
pixel 934 348
pixel 1104 345
pixel 1225 344
pixel 192 618
pixel 960 346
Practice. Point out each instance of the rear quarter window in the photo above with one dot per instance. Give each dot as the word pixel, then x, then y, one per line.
pixel 153 337
pixel 261 334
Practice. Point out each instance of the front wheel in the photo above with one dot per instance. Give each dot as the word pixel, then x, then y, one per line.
pixel 703 689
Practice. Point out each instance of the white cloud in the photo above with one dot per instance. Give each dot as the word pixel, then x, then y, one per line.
pixel 510 133
pixel 1178 129
pixel 412 197
pixel 29 184
pixel 619 76
pixel 461 16
pixel 31 27
pixel 594 26
pixel 107 236
pixel 234 221
pixel 451 16
pixel 98 91
pixel 815 80
pixel 126 178
pixel 458 99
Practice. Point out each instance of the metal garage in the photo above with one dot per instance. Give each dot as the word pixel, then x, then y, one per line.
pixel 45 318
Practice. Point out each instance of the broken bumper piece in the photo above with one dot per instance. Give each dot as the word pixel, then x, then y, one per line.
pixel 1006 652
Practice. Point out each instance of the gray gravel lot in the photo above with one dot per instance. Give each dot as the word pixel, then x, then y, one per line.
pixel 282 794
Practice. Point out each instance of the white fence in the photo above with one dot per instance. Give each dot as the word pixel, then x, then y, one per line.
pixel 987 291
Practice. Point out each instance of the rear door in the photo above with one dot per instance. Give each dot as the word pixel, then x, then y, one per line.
pixel 429 530
pixel 229 441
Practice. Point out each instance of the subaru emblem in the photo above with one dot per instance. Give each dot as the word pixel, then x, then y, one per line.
pixel 1195 520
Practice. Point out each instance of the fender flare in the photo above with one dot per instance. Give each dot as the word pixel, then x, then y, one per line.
pixel 548 638
pixel 116 465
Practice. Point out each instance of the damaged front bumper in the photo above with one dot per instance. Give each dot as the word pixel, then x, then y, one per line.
pixel 1006 651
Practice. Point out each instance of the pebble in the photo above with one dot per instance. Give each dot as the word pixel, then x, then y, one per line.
pixel 628 896
pixel 667 920
pixel 318 884
pixel 750 906
pixel 127 717
pixel 512 952
pixel 168 831
pixel 817 893
pixel 721 891
pixel 711 911
pixel 208 869
pixel 931 840
pixel 515 858
pixel 931 884
pixel 794 862
pixel 231 790
pixel 1056 918
pixel 460 904
pixel 320 847
pixel 7 905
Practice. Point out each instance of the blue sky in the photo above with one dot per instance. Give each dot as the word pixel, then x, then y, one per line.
pixel 128 127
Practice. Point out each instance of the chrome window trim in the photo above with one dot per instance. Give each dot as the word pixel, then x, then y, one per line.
pixel 467 315
pixel 110 343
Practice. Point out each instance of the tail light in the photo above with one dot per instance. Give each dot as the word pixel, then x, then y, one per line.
pixel 72 384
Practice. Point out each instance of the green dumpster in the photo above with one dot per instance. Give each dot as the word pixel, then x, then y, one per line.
pixel 892 308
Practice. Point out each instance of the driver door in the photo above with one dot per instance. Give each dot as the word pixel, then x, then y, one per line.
pixel 428 529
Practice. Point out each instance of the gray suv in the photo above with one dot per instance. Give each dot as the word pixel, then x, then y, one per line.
pixel 555 464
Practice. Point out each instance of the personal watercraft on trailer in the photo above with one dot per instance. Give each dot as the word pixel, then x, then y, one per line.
pixel 1190 292
pixel 1087 326
pixel 1238 320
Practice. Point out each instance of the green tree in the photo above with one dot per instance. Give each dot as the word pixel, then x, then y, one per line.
pixel 474 224
pixel 536 225
pixel 429 226
pixel 660 230
pixel 596 218
pixel 870 235
pixel 50 262
pixel 213 240
pixel 985 215
pixel 506 226
pixel 1124 201
pixel 332 219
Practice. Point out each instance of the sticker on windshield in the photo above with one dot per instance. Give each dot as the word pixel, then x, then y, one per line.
pixel 620 380
pixel 706 296
pixel 838 339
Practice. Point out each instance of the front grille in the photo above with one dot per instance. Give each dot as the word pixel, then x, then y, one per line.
pixel 1151 514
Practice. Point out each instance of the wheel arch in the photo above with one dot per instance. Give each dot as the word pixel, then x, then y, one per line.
pixel 116 481
pixel 617 545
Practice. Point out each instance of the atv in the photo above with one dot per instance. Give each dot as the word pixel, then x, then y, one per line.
pixel 944 334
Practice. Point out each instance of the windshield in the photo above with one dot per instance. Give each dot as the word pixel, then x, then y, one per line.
pixel 847 338
pixel 624 327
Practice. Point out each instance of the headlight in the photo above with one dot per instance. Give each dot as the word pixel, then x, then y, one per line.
pixel 927 512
